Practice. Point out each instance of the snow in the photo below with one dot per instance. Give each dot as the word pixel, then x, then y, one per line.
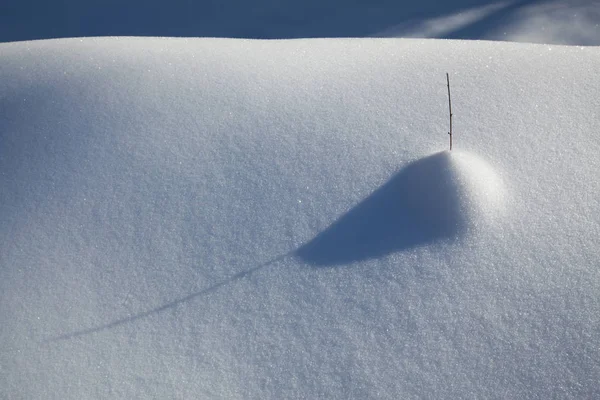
pixel 576 22
pixel 218 218
pixel 573 22
pixel 462 193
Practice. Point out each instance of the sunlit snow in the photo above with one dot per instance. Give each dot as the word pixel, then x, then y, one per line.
pixel 217 218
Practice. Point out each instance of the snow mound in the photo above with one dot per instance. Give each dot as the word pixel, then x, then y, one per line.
pixel 479 187
pixel 449 193
pixel 441 196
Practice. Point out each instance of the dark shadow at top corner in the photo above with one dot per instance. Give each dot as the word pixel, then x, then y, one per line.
pixel 419 205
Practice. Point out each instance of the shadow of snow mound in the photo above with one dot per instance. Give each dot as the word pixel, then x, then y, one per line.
pixel 435 198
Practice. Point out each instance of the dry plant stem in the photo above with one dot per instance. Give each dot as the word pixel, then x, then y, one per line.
pixel 450 109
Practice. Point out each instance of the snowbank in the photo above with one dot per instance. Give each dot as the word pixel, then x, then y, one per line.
pixel 219 218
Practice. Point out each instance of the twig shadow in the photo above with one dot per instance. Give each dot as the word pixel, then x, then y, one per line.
pixel 167 306
pixel 419 205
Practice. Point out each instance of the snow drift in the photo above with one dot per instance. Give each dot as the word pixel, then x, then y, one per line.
pixel 247 219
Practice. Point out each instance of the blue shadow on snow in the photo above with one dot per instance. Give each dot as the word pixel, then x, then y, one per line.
pixel 259 19
pixel 419 205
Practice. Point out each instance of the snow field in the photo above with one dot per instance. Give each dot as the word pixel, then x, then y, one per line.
pixel 279 219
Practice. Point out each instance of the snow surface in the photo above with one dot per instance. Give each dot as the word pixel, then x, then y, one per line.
pixel 216 218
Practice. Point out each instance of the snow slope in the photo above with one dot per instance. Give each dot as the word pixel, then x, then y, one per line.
pixel 215 218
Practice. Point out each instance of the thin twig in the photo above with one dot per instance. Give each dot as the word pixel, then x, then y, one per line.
pixel 450 109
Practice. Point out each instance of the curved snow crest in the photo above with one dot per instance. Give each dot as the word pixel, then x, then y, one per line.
pixel 482 191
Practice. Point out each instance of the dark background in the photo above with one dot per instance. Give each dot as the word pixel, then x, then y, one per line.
pixel 35 19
